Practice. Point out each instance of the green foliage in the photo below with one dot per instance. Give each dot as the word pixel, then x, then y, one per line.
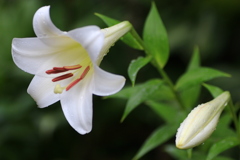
pixel 135 66
pixel 221 146
pixel 140 94
pixel 198 76
pixel 215 91
pixel 155 37
pixel 172 102
pixel 194 91
pixel 163 110
pixel 159 136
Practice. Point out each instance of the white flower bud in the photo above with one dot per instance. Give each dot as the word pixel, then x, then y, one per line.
pixel 201 122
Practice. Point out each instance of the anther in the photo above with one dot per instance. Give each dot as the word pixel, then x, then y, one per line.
pixel 72 67
pixel 56 70
pixel 65 76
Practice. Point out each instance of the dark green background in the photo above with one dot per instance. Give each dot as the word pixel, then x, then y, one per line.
pixel 27 132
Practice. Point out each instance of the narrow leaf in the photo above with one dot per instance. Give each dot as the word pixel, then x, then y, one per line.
pixel 190 96
pixel 198 76
pixel 155 37
pixel 176 153
pixel 215 91
pixel 125 93
pixel 128 38
pixel 164 93
pixel 142 94
pixel 165 111
pixel 159 136
pixel 221 146
pixel 195 60
pixel 224 125
pixel 135 66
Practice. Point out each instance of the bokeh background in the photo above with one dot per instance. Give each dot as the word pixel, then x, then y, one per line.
pixel 27 132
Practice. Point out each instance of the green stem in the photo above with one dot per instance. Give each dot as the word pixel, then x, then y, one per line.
pixel 170 83
pixel 138 38
pixel 189 153
pixel 234 116
pixel 161 71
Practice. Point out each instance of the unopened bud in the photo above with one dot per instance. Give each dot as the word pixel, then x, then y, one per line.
pixel 201 122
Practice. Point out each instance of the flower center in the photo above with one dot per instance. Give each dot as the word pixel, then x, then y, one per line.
pixel 56 70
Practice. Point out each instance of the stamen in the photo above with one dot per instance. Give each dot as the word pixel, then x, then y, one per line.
pixel 79 79
pixel 63 69
pixel 85 72
pixel 65 76
pixel 56 70
pixel 73 84
pixel 73 67
pixel 60 69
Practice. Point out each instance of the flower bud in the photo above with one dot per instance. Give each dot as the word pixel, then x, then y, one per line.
pixel 111 35
pixel 201 122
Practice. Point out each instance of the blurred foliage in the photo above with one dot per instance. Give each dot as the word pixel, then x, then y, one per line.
pixel 27 132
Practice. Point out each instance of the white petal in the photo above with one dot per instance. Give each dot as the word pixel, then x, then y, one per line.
pixel 200 137
pixel 105 83
pixel 77 107
pixel 42 24
pixel 35 57
pixel 91 38
pixel 30 53
pixel 41 89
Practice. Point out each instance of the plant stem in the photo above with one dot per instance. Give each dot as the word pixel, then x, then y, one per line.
pixel 234 116
pixel 170 83
pixel 138 38
pixel 189 153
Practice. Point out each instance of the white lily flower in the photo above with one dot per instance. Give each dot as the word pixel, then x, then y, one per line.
pixel 66 66
pixel 201 122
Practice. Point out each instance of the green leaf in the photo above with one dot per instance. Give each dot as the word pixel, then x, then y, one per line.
pixel 164 93
pixel 223 128
pixel 221 146
pixel 195 60
pixel 190 96
pixel 155 37
pixel 178 154
pixel 142 94
pixel 128 38
pixel 198 76
pixel 159 136
pixel 125 93
pixel 165 111
pixel 135 66
pixel 215 91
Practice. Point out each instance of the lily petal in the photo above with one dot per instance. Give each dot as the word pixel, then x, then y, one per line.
pixel 41 90
pixel 42 24
pixel 77 107
pixel 91 38
pixel 106 83
pixel 35 57
pixel 30 53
